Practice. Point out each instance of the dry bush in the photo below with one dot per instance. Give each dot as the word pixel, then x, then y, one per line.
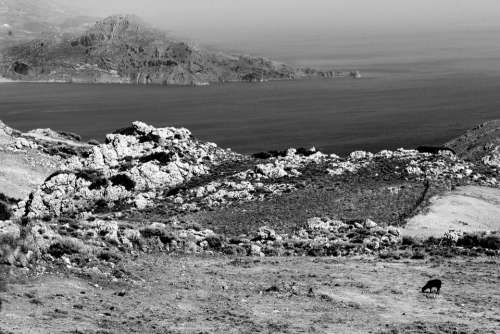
pixel 68 246
pixel 5 211
pixel 487 241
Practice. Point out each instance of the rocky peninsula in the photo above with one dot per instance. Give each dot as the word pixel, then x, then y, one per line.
pixel 125 49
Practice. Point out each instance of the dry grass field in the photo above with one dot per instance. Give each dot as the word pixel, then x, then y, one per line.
pixel 193 294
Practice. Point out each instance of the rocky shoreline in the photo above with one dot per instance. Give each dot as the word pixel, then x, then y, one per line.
pixel 151 189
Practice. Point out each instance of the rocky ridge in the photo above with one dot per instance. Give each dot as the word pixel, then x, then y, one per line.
pixel 90 207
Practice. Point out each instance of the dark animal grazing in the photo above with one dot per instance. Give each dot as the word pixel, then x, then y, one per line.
pixel 434 149
pixel 435 283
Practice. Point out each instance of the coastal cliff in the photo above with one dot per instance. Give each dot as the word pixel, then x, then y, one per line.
pixel 123 49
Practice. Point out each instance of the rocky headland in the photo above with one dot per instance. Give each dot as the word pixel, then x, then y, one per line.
pixel 124 49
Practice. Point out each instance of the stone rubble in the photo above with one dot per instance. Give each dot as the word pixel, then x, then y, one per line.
pixel 320 236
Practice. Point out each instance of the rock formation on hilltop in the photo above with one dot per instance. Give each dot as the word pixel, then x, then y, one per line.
pixel 124 49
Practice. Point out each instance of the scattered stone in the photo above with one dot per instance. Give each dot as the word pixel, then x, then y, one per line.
pixel 370 224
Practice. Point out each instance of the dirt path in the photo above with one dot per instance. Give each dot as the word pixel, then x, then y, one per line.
pixel 272 295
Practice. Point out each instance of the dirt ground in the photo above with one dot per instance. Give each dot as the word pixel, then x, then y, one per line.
pixel 191 294
pixel 20 172
pixel 467 209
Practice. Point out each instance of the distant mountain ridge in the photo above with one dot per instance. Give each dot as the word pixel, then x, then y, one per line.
pixel 22 20
pixel 123 48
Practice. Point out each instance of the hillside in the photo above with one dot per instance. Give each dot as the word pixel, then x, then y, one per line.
pixel 125 49
pixel 22 20
pixel 157 231
pixel 479 143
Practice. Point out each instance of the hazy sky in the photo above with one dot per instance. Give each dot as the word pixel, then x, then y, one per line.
pixel 256 15
pixel 264 25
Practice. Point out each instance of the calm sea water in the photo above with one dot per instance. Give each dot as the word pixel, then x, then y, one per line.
pixel 381 111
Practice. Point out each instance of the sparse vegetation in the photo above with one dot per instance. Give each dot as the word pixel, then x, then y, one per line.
pixel 67 246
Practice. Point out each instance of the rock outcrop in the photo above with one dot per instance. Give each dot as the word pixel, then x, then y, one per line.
pixel 141 165
pixel 99 196
pixel 137 160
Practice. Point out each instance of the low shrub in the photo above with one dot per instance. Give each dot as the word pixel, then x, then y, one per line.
pixel 214 242
pixel 124 181
pixel 161 157
pixel 109 257
pixel 96 178
pixel 5 211
pixel 418 254
pixel 152 232
pixel 9 246
pixel 268 155
pixel 234 250
pixel 490 242
pixel 101 206
pixel 409 241
pixel 487 241
pixel 65 247
pixel 7 199
pixel 63 151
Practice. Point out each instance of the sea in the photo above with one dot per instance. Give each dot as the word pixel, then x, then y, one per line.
pixel 402 101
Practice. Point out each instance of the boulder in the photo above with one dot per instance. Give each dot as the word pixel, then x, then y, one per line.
pixel 317 224
pixel 493 159
pixel 10 230
pixel 359 155
pixel 272 171
pixel 266 233
pixel 370 224
pixel 255 250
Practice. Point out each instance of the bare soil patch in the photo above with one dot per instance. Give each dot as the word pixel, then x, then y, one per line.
pixel 467 209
